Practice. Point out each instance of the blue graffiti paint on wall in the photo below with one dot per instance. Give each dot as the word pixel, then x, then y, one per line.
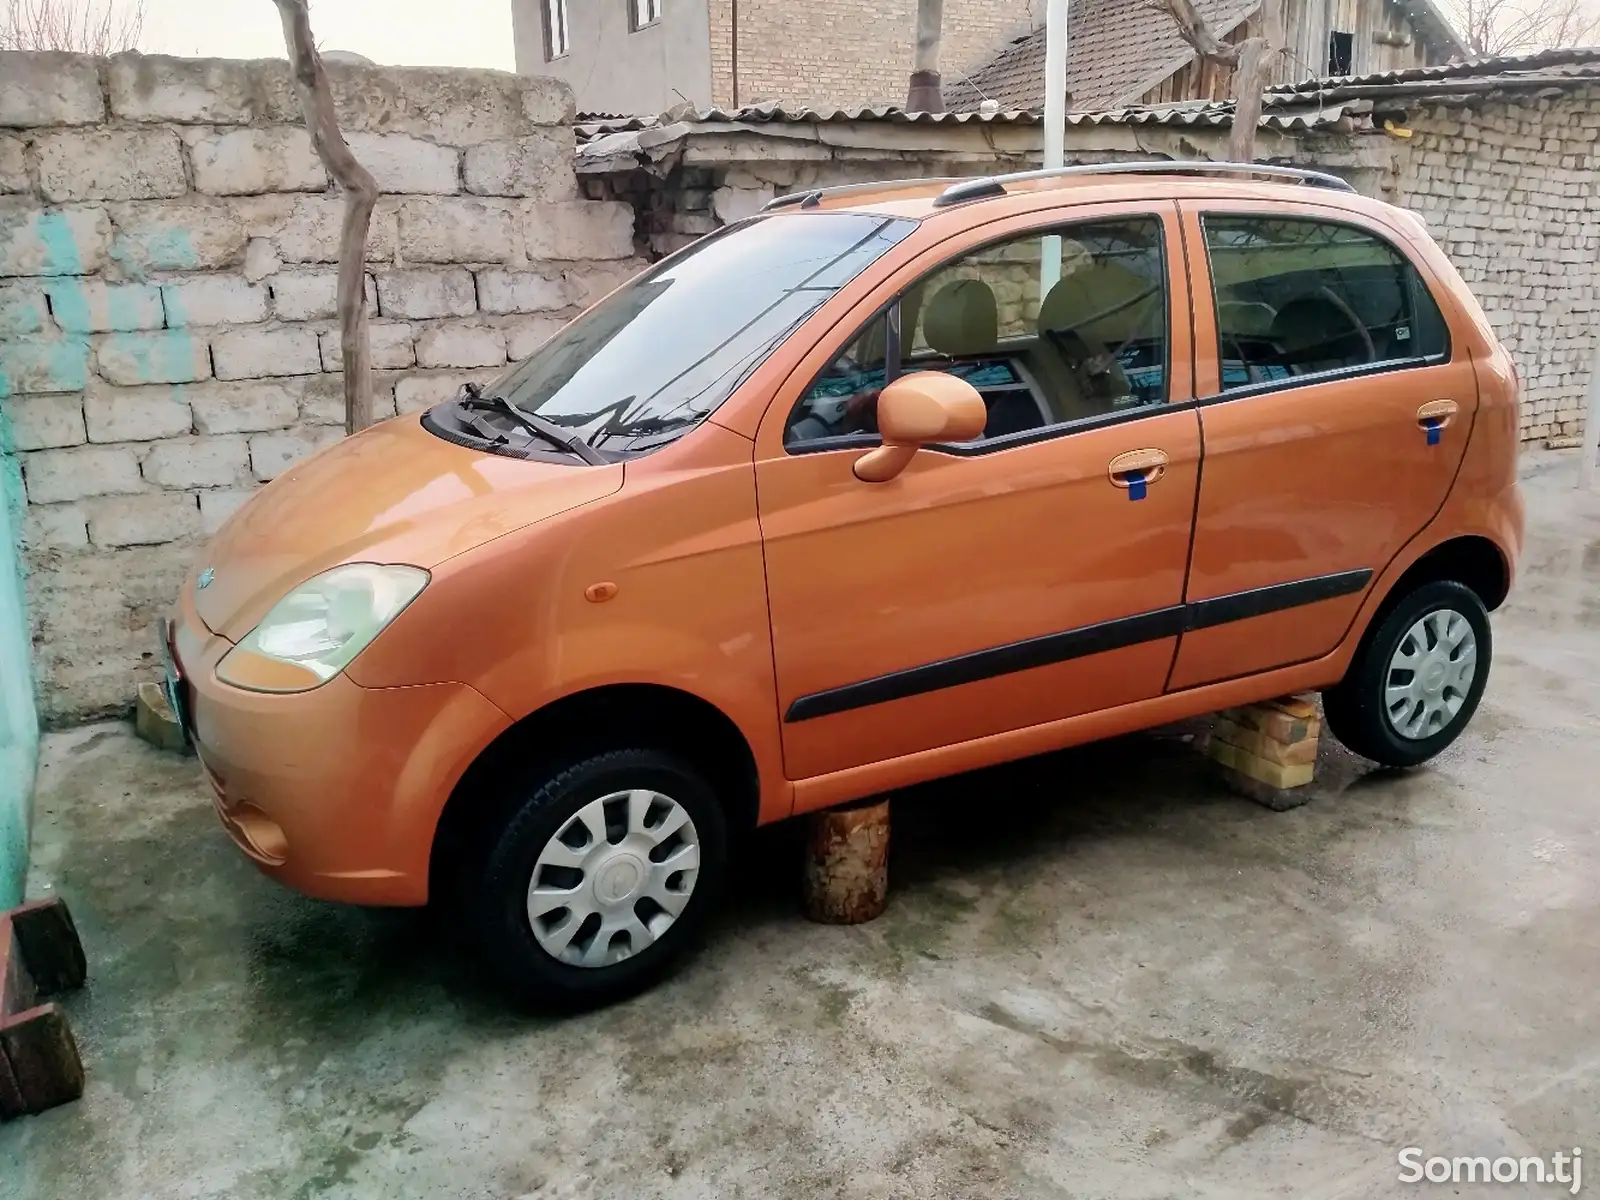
pixel 28 363
pixel 19 721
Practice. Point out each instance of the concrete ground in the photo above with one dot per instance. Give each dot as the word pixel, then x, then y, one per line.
pixel 1099 975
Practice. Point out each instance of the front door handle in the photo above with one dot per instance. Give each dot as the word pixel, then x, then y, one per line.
pixel 1137 470
pixel 1434 416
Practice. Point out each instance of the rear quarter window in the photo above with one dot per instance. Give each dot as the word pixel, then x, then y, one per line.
pixel 1297 296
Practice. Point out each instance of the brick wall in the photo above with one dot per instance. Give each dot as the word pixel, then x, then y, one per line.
pixel 841 53
pixel 167 274
pixel 1512 193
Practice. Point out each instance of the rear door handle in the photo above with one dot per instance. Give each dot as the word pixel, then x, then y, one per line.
pixel 1434 416
pixel 1137 470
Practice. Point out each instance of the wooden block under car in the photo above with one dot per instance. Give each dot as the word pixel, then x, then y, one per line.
pixel 1268 751
pixel 847 863
pixel 39 954
pixel 155 722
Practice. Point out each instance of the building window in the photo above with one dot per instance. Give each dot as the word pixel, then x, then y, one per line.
pixel 557 33
pixel 645 12
pixel 1341 46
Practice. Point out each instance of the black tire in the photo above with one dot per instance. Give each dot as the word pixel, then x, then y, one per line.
pixel 498 899
pixel 1355 710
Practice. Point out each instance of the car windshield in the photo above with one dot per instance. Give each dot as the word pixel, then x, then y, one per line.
pixel 659 355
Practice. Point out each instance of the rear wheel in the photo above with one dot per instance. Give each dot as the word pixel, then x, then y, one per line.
pixel 1416 679
pixel 601 877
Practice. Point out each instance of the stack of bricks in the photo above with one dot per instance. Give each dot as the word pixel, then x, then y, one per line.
pixel 1268 751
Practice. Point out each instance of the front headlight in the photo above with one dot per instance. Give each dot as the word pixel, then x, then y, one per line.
pixel 313 632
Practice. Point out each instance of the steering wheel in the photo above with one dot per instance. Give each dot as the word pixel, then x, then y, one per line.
pixel 1356 323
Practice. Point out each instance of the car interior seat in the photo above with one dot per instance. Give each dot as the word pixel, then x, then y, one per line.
pixel 1314 334
pixel 962 319
pixel 1087 317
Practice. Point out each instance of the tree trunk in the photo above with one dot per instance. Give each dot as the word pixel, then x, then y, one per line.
pixel 1252 61
pixel 360 197
pixel 924 94
pixel 1249 78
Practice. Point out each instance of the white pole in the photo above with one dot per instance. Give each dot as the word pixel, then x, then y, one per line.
pixel 1587 469
pixel 1055 126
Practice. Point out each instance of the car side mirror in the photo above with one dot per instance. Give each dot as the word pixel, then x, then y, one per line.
pixel 914 410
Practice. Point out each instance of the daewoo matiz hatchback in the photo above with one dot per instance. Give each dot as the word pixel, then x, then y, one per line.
pixel 878 485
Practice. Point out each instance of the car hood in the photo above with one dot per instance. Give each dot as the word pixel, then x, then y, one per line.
pixel 394 493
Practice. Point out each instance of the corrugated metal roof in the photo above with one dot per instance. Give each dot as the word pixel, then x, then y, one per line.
pixel 1509 66
pixel 1218 113
pixel 757 114
pixel 1320 104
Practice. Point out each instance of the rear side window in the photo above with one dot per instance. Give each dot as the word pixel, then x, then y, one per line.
pixel 1300 297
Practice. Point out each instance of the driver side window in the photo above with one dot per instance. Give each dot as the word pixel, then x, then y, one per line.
pixel 1297 297
pixel 1053 328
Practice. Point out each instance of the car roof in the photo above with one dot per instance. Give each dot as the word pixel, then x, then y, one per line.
pixel 917 199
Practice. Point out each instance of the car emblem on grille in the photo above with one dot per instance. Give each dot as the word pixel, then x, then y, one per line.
pixel 206 577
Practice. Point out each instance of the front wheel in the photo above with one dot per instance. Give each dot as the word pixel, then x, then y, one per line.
pixel 601 878
pixel 1416 679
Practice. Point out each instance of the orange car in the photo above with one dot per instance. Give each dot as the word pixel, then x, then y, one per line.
pixel 881 484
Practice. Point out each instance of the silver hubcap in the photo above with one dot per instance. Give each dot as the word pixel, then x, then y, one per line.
pixel 1430 674
pixel 614 878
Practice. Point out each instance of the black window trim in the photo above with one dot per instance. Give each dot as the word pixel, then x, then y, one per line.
pixel 891 308
pixel 547 15
pixel 1335 374
pixel 634 25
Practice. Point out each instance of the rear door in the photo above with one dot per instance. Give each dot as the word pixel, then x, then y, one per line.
pixel 1335 409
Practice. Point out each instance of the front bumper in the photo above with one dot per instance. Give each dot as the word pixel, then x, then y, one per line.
pixel 335 792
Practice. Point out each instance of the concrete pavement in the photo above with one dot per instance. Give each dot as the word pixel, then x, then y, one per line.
pixel 1099 974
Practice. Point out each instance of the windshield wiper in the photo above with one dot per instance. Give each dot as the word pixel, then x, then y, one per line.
pixel 475 397
pixel 649 426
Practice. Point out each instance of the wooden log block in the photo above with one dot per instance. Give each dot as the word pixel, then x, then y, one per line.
pixel 50 945
pixel 39 953
pixel 155 722
pixel 847 863
pixel 42 1064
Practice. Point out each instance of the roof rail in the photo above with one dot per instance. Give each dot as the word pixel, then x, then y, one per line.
pixel 814 196
pixel 994 185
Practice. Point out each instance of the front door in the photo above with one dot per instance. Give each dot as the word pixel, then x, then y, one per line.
pixel 1335 415
pixel 1031 575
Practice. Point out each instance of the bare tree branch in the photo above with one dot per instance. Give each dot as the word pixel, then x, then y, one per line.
pixel 1492 27
pixel 98 27
pixel 1252 61
pixel 1193 29
pixel 360 196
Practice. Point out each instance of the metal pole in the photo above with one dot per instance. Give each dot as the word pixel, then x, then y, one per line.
pixel 1587 469
pixel 1055 126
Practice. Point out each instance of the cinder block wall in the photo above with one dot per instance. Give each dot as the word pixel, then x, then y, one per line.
pixel 168 242
pixel 1511 190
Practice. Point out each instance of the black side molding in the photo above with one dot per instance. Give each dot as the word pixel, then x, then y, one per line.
pixel 1076 643
pixel 1257 602
pixel 986 664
